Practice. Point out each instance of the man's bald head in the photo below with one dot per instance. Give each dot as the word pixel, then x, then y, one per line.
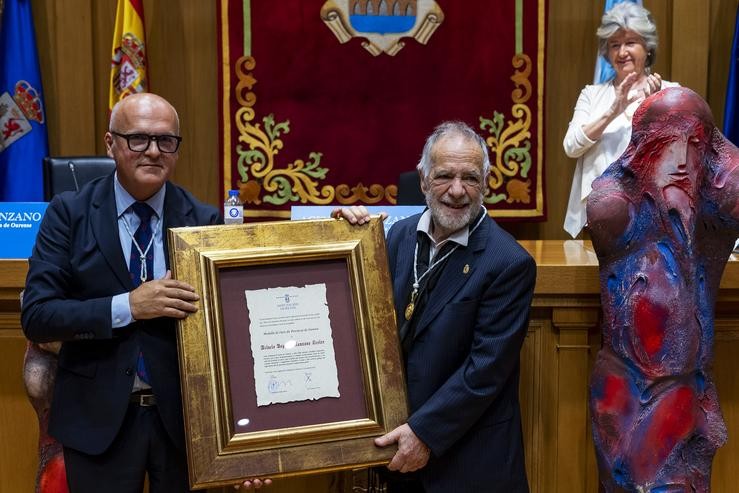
pixel 139 101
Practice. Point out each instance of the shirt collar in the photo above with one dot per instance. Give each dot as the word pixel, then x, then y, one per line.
pixel 123 199
pixel 460 237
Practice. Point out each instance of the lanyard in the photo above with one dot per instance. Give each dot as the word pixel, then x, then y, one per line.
pixel 142 253
pixel 416 279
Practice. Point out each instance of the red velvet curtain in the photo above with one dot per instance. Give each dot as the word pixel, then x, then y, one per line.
pixel 307 119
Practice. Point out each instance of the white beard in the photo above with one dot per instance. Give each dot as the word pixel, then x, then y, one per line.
pixel 445 219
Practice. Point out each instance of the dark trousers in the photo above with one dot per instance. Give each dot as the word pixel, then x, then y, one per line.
pixel 142 446
pixel 405 487
pixel 396 482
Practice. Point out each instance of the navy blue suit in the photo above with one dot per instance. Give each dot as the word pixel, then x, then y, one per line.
pixel 462 368
pixel 77 266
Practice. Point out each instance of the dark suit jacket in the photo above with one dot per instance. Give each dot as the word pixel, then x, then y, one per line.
pixel 463 367
pixel 77 266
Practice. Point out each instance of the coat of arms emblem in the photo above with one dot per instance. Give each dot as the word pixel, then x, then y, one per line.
pixel 17 112
pixel 382 23
pixel 128 66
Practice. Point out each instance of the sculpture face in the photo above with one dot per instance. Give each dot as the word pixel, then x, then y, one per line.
pixel 663 219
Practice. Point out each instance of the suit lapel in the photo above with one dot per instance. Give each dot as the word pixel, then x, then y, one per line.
pixel 454 277
pixel 404 270
pixel 104 220
pixel 104 224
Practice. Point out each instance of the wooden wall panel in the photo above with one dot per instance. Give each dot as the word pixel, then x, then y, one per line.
pixel 690 49
pixel 103 16
pixel 530 397
pixel 726 348
pixel 18 424
pixel 662 13
pixel 64 32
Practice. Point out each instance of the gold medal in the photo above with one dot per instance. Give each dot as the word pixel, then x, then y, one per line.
pixel 409 311
pixel 412 303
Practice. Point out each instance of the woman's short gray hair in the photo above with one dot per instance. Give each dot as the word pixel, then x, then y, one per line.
pixel 632 17
pixel 447 129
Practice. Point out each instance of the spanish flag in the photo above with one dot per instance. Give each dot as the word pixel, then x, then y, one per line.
pixel 128 67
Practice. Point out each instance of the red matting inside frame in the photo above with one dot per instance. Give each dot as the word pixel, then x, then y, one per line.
pixel 240 363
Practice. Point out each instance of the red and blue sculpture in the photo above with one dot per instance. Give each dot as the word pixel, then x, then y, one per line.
pixel 663 220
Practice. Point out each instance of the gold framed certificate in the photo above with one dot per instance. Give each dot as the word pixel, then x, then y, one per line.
pixel 292 364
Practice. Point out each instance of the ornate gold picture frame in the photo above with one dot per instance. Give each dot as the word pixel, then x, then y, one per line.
pixel 229 437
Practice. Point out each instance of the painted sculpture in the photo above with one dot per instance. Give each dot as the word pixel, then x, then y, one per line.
pixel 39 370
pixel 663 219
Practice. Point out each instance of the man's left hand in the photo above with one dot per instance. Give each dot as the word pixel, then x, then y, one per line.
pixel 412 453
pixel 356 214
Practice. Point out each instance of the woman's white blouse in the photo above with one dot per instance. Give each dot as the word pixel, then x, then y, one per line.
pixel 593 157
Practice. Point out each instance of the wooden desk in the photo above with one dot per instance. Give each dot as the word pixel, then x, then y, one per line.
pixel 556 360
pixel 18 424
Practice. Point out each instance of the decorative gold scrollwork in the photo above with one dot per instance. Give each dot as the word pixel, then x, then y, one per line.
pixel 510 142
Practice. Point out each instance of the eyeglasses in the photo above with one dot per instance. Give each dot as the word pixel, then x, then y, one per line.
pixel 140 142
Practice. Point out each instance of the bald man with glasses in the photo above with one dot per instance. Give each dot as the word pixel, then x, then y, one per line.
pixel 99 281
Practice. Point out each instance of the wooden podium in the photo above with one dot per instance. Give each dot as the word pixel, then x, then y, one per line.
pixel 556 359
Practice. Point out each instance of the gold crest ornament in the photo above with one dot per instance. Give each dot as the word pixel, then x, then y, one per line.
pixel 13 122
pixel 29 101
pixel 382 23
pixel 129 66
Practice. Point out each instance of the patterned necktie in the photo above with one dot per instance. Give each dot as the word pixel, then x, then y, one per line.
pixel 142 246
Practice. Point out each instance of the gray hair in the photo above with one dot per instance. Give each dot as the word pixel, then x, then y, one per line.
pixel 632 17
pixel 447 129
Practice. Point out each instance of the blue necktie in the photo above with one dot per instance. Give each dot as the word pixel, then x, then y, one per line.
pixel 142 239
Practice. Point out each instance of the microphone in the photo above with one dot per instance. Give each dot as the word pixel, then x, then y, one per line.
pixel 74 176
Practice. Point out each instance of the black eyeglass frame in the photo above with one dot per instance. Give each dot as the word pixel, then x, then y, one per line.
pixel 155 138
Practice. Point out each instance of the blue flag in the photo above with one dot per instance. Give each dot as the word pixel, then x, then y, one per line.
pixel 23 142
pixel 731 110
pixel 603 70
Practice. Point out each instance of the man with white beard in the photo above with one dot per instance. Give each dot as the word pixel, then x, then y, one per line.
pixel 462 288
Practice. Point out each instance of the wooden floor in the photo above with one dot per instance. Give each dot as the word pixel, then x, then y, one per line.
pixel 556 359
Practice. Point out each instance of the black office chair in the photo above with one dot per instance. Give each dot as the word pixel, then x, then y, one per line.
pixel 409 189
pixel 70 173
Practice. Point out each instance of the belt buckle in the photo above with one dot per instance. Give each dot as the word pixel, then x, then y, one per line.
pixel 144 400
pixel 148 400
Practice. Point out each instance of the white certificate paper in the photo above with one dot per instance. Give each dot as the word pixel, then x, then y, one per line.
pixel 292 344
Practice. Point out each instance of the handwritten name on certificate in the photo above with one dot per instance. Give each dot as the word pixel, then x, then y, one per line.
pixel 292 344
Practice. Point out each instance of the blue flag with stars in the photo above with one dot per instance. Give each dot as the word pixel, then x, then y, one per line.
pixel 23 141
